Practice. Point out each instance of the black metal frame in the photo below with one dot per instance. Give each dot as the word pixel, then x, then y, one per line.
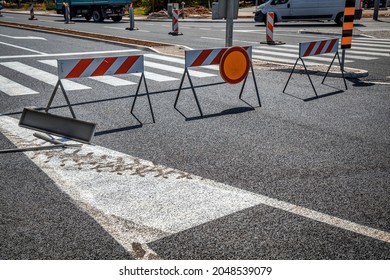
pixel 304 65
pixel 196 98
pixel 59 84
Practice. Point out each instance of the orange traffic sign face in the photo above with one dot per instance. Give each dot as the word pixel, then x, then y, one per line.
pixel 234 65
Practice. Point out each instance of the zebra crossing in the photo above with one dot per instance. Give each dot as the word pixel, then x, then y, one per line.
pixel 158 70
pixel 362 49
pixel 163 68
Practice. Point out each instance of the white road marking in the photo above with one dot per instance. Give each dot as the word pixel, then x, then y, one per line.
pixel 212 38
pixel 23 38
pixel 110 80
pixel 22 48
pixel 42 76
pixel 177 69
pixel 152 200
pixel 68 54
pixel 13 89
pixel 156 77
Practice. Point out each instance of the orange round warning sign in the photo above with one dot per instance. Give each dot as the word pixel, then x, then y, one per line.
pixel 234 65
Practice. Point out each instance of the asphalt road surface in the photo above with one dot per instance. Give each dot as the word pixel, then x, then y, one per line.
pixel 297 178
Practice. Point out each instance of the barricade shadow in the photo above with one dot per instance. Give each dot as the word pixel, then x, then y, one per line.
pixel 231 111
pixel 358 83
pixel 115 130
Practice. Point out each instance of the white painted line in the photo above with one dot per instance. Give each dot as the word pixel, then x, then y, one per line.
pixel 372 40
pixel 152 200
pixel 212 38
pixel 349 51
pixel 284 54
pixel 23 38
pixel 174 69
pixel 14 89
pixel 378 45
pixel 372 50
pixel 156 77
pixel 110 80
pixel 177 60
pixel 68 54
pixel 281 60
pixel 278 49
pixel 22 48
pixel 42 76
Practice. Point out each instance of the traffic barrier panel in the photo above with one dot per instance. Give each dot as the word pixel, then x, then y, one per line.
pixel 317 48
pixel 90 67
pixel 269 34
pixel 175 23
pixel 349 15
pixel 234 64
pixel 32 15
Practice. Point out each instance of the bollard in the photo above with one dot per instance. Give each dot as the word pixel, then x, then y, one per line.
pixel 175 23
pixel 131 16
pixel 66 12
pixel 182 9
pixel 270 30
pixel 32 16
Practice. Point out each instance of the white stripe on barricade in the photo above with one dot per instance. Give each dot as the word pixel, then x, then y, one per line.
pixel 313 48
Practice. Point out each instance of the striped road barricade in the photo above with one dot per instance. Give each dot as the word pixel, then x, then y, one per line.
pixel 81 68
pixel 102 66
pixel 313 48
pixel 234 65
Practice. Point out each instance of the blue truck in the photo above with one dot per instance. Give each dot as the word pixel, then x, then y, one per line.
pixel 98 10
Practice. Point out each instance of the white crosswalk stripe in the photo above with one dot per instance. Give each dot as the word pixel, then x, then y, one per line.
pixel 41 75
pixel 13 89
pixel 362 49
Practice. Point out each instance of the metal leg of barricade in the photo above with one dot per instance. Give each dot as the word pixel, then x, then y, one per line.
pixel 147 94
pixel 59 84
pixel 254 81
pixel 341 69
pixel 193 91
pixel 307 73
pixel 304 65
pixel 295 65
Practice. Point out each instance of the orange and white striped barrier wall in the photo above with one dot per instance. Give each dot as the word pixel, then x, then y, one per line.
pixel 234 64
pixel 349 15
pixel 103 66
pixel 175 23
pixel 313 48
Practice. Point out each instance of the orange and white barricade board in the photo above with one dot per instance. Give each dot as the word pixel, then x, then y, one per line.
pixel 234 64
pixel 102 66
pixel 317 48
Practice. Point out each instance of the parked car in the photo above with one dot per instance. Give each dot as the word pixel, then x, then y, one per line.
pixel 297 10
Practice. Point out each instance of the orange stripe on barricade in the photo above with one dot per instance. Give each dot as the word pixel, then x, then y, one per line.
pixel 331 44
pixel 309 49
pixel 201 58
pixel 79 68
pixel 104 66
pixel 126 65
pixel 320 47
pixel 217 59
pixel 349 11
